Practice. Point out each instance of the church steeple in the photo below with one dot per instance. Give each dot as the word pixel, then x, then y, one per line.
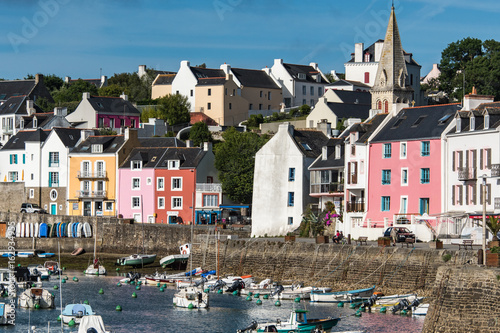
pixel 391 83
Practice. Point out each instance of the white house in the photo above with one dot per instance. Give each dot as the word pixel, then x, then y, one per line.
pixel 281 179
pixel 11 113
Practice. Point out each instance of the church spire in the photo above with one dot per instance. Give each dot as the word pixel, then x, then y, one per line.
pixel 391 83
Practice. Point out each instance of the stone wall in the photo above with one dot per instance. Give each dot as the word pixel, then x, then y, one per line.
pixel 11 196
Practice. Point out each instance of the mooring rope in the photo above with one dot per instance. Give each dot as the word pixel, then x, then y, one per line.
pixel 354 250
pixel 381 265
pixel 401 264
pixel 328 265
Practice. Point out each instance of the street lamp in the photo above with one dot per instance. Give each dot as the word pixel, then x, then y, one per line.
pixel 484 219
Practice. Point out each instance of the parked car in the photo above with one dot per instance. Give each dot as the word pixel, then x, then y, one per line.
pixel 32 208
pixel 403 233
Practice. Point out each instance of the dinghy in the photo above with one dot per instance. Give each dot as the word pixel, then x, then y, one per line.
pixel 341 296
pixel 36 298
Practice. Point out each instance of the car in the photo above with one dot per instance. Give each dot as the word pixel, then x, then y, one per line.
pixel 403 233
pixel 32 208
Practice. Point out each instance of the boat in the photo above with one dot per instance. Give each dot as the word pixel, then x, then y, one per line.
pixel 95 268
pixel 191 298
pixel 420 310
pixel 79 232
pixel 45 254
pixel 177 261
pixel 392 300
pixel 7 314
pixel 44 230
pixel 86 230
pixel 136 260
pixel 171 278
pixel 52 267
pixel 341 296
pixel 36 298
pixel 76 312
pixel 25 254
pixel 92 323
pixel 292 292
pixel 298 322
pixel 78 251
pixel 39 270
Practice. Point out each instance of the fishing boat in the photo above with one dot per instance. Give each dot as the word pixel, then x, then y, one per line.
pixel 39 270
pixel 298 322
pixel 76 312
pixel 95 268
pixel 177 261
pixel 341 296
pixel 6 311
pixel 191 298
pixel 93 324
pixel 136 260
pixel 36 298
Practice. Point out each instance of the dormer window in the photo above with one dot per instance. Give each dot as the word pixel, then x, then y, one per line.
pixel 96 148
pixel 136 165
pixel 173 164
pixel 472 123
pixel 99 104
pixel 21 124
pixel 459 125
pixel 35 122
pixel 302 76
pixel 338 152
pixel 318 78
pixel 486 121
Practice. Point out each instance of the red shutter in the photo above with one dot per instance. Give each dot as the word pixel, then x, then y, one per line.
pixel 454 156
pixel 367 77
pixel 349 173
pixel 453 195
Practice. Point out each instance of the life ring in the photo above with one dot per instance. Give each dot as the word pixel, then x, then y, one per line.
pixel 184 252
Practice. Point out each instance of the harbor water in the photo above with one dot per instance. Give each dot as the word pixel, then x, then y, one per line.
pixel 153 311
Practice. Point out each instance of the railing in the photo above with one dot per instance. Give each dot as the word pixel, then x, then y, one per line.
pixel 8 130
pixel 495 170
pixel 355 207
pixel 327 188
pixel 466 174
pixel 88 174
pixel 91 194
pixel 209 187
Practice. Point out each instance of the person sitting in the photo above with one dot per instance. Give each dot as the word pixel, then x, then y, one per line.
pixel 336 237
pixel 340 238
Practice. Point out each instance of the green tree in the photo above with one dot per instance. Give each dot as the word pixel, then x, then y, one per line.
pixel 53 82
pixel 235 161
pixel 174 109
pixel 139 88
pixel 113 90
pixel 73 92
pixel 199 133
pixel 149 112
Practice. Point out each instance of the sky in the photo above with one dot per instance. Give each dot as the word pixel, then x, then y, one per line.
pixel 84 38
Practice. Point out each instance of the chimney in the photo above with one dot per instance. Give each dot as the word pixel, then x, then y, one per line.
pixel 189 143
pixel 435 67
pixel 141 71
pixel 30 109
pixel 472 101
pixel 124 97
pixel 207 146
pixel 86 95
pixel 85 134
pixel 185 63
pixel 278 61
pixel 267 71
pixel 67 79
pixel 358 52
pixel 226 68
pixel 285 126
pixel 325 127
pixel 314 65
pixel 378 50
pixel 104 80
pixel 38 78
pixel 60 111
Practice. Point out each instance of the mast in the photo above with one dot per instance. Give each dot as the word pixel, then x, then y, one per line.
pixel 191 249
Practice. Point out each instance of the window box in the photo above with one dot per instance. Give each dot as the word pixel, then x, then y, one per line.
pixel 322 239
pixel 492 259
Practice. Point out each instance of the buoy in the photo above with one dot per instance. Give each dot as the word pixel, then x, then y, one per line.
pixel 101 291
pixel 158 284
pixel 219 291
pixel 18 265
pixel 64 268
pixel 56 287
pixel 161 289
pixel 250 293
pixel 358 314
pixel 139 283
pixel 165 285
pixel 257 295
pixel 403 312
pixel 132 282
pixel 340 305
pixel 58 318
pixel 63 281
pixel 259 302
pixel 75 279
pixel 117 269
pixel 249 298
pixel 37 306
pixel 190 306
pixel 137 287
pixel 206 290
pixel 118 308
pixel 266 296
pixel 134 295
pixel 235 292
pixel 277 303
pixel 297 299
pixel 118 284
pixel 33 285
pixel 65 277
pixel 383 309
pixel 352 306
pixel 71 323
pixel 86 302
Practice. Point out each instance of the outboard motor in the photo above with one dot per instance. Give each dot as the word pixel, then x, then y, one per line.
pixel 201 282
pixel 279 288
pixel 219 284
pixel 370 302
pixel 416 302
pixel 403 304
pixel 237 285
pixel 252 326
pixel 134 276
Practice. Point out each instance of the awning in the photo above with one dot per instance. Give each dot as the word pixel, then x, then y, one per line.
pixel 234 206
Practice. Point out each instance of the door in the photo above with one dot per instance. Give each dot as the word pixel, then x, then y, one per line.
pixel 98 208
pixel 87 208
pixel 53 209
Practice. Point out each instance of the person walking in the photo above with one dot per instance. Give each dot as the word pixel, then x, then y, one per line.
pixel 394 236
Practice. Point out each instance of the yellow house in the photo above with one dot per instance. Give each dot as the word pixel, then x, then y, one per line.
pixel 93 165
pixel 162 85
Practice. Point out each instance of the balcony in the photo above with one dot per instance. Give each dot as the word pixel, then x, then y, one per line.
pixel 328 188
pixel 87 194
pixel 466 174
pixel 92 175
pixel 209 187
pixel 355 207
pixel 495 170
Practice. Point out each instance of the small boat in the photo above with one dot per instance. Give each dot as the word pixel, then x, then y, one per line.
pixel 78 251
pixel 87 230
pixel 52 267
pixel 293 292
pixel 36 298
pixel 45 255
pixel 420 310
pixel 76 312
pixel 392 300
pixel 25 254
pixel 92 323
pixel 39 270
pixel 7 314
pixel 298 322
pixel 171 278
pixel 176 261
pixel 341 296
pixel 96 268
pixel 191 298
pixel 136 260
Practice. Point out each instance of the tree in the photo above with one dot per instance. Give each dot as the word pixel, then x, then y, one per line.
pixel 113 90
pixel 235 161
pixel 139 89
pixel 53 82
pixel 74 91
pixel 174 109
pixel 199 133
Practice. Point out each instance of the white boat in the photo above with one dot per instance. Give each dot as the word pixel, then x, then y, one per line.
pixel 86 230
pixel 39 270
pixel 342 296
pixel 38 298
pixel 136 260
pixel 420 310
pixel 7 314
pixel 291 293
pixel 45 255
pixel 25 254
pixel 76 312
pixel 393 299
pixel 95 268
pixel 191 298
pixel 93 324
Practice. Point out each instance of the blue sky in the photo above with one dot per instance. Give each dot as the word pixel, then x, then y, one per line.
pixel 79 37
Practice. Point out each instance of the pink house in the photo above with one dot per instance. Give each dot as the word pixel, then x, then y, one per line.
pixel 405 164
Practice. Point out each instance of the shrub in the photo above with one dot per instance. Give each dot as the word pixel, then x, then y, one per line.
pixel 446 257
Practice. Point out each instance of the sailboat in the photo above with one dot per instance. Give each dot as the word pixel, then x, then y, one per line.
pixel 95 268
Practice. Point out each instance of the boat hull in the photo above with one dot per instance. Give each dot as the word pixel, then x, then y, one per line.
pixel 137 261
pixel 324 324
pixel 175 261
pixel 95 270
pixel 30 298
pixel 191 297
pixel 342 296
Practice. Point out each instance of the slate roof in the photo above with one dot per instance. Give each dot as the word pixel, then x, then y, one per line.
pixel 150 156
pixel 343 82
pixel 17 141
pixel 68 136
pixel 331 161
pixel 189 157
pixel 254 78
pixel 112 105
pixel 371 50
pixel 367 128
pixel 10 88
pixel 96 82
pixel 161 142
pixel 309 71
pixel 354 97
pixel 427 122
pixel 16 105
pixel 310 142
pixel 110 144
pixel 344 110
pixel 203 73
pixel 493 110
pixel 211 81
pixel 42 119
pixel 164 79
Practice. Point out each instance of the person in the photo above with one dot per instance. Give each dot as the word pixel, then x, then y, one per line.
pixel 341 237
pixel 336 237
pixel 394 236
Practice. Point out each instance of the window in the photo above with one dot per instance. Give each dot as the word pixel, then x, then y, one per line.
pixel 367 77
pixel 13 159
pixel 387 150
pixel 402 150
pixel 425 175
pixel 176 203
pixel 312 91
pixel 97 148
pixel 386 204
pixel 53 179
pixel 230 106
pixel 209 92
pixel 367 59
pixel 122 122
pixel 209 106
pixel 32 176
pixel 424 206
pixel 269 96
pixel 53 159
pixel 136 165
pixel 260 106
pixel 291 174
pixel 386 177
pixel 404 176
pixel 425 148
pixel 161 203
pixel 136 202
pixel 100 122
pixel 99 166
pixel 173 164
pixel 132 123
pixel 108 206
pixel 160 184
pixel 191 92
pixel 304 102
pixel 136 183
pixel 176 184
pixel 311 102
pixel 304 90
pixel 148 181
pixel 291 199
pixel 404 205
pixel 261 94
pixel 32 193
pixel 250 107
pixel 24 158
pixel 320 92
pixel 210 200
pixel 13 176
pixel 290 220
pixel 53 195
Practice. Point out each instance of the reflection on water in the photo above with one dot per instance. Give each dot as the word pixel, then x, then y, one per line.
pixel 152 311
